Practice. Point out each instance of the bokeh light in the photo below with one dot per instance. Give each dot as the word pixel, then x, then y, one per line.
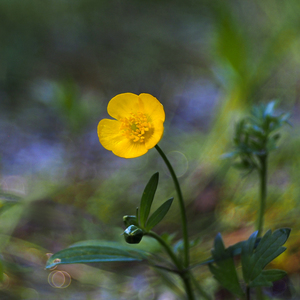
pixel 59 279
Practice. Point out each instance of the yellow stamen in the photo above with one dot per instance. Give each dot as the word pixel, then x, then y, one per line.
pixel 135 127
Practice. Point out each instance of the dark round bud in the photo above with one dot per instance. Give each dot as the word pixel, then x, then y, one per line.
pixel 130 220
pixel 133 234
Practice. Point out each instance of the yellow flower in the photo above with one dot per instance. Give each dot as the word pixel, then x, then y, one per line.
pixel 138 126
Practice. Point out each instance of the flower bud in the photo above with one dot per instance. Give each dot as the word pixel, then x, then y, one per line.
pixel 133 234
pixel 130 220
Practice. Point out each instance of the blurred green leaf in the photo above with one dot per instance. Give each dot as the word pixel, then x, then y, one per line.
pixel 224 269
pixel 159 214
pixel 147 198
pixel 95 251
pixel 231 41
pixel 255 136
pixel 1 271
pixel 8 197
pixel 253 262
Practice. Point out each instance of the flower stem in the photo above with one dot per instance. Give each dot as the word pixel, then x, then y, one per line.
pixel 263 193
pixel 183 273
pixel 167 248
pixel 188 286
pixel 263 196
pixel 247 293
pixel 182 207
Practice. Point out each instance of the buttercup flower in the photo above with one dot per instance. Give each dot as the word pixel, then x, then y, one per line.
pixel 138 125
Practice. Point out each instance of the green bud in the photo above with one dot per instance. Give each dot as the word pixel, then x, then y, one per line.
pixel 133 234
pixel 130 220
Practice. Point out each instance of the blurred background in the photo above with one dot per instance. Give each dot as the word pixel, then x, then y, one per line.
pixel 207 62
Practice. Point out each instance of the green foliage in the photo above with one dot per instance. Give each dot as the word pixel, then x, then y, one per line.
pixel 255 136
pixel 224 269
pixel 159 214
pixel 256 254
pixel 232 250
pixel 253 262
pixel 1 271
pixel 146 203
pixel 147 199
pixel 73 110
pixel 95 251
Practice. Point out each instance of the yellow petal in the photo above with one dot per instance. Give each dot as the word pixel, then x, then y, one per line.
pixel 109 133
pixel 122 105
pixel 112 139
pixel 129 149
pixel 138 126
pixel 156 136
pixel 152 107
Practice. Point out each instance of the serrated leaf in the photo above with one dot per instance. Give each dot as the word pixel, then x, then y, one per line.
pixel 266 277
pixel 95 251
pixel 247 250
pixel 147 199
pixel 224 269
pixel 159 214
pixel 233 250
pixel 253 262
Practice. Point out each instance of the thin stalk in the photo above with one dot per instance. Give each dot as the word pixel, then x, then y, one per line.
pixel 182 207
pixel 167 248
pixel 263 196
pixel 183 273
pixel 247 293
pixel 188 286
pixel 263 193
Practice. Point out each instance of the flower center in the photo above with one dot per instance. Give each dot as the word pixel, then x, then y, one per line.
pixel 136 127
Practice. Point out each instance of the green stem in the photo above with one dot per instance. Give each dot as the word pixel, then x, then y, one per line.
pixel 263 196
pixel 182 207
pixel 263 193
pixel 183 273
pixel 247 293
pixel 167 248
pixel 188 286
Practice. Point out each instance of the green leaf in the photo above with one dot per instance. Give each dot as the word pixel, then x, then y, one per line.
pixel 233 250
pixel 95 251
pixel 266 277
pixel 159 214
pixel 147 199
pixel 253 262
pixel 224 269
pixel 247 249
